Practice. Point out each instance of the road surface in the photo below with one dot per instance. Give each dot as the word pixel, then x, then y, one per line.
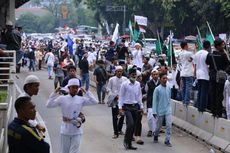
pixel 98 131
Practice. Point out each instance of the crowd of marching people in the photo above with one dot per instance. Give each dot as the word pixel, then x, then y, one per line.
pixel 127 78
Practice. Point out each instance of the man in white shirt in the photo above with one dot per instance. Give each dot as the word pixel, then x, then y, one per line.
pixel 185 59
pixel 31 87
pixel 202 75
pixel 71 106
pixel 113 87
pixel 137 56
pixel 130 102
pixel 50 59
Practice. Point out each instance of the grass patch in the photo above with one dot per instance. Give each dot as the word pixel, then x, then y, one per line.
pixel 3 96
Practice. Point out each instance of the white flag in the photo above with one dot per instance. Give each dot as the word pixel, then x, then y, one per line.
pixel 116 33
pixel 107 27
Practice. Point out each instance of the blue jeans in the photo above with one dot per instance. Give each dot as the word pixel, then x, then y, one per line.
pixel 32 65
pixel 186 89
pixel 19 55
pixel 50 70
pixel 101 92
pixel 168 119
pixel 85 81
pixel 202 100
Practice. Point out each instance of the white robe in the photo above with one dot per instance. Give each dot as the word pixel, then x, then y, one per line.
pixel 227 98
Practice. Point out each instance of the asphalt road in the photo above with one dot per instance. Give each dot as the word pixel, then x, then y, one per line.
pixel 98 131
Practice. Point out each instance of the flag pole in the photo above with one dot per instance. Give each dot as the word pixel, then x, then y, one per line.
pixel 158 37
pixel 210 30
pixel 170 40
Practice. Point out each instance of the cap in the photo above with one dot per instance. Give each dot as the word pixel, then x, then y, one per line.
pixel 31 79
pixel 118 68
pixel 73 82
pixel 138 73
pixel 137 44
pixel 9 23
pixel 154 70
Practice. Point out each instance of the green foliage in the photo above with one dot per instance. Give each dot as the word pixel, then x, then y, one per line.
pixel 181 16
pixel 32 23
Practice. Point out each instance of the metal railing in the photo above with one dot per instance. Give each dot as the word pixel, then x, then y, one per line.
pixel 7 67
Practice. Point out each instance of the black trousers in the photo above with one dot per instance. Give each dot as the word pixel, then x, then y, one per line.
pixel 117 122
pixel 131 111
pixel 39 64
pixel 174 93
pixel 138 127
pixel 215 98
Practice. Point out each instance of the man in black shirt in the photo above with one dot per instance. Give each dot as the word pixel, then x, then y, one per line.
pixel 100 77
pixel 122 52
pixel 84 68
pixel 216 88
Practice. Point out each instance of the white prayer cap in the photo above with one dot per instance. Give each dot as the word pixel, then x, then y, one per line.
pixel 154 70
pixel 138 73
pixel 9 23
pixel 73 82
pixel 118 68
pixel 31 79
pixel 137 44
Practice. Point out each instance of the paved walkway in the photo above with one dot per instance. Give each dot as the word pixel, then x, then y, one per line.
pixel 98 131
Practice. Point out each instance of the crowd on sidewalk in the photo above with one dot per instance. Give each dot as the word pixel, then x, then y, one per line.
pixel 130 77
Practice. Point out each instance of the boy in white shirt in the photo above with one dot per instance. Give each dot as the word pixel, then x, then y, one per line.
pixel 71 106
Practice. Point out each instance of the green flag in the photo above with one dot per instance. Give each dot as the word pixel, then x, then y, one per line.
pixel 198 40
pixel 136 32
pixel 158 45
pixel 209 35
pixel 130 31
pixel 170 52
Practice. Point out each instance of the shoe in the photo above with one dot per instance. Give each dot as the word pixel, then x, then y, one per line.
pixel 155 139
pixel 162 131
pixel 167 143
pixel 150 134
pixel 140 142
pixel 103 102
pixel 125 145
pixel 121 133
pixel 115 136
pixel 130 147
pixel 99 102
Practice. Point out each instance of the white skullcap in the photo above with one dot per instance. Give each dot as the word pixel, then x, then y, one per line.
pixel 130 66
pixel 137 44
pixel 73 82
pixel 118 68
pixel 138 73
pixel 156 67
pixel 10 23
pixel 154 70
pixel 31 79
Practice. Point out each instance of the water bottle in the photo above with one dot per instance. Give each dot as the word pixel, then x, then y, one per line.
pixel 211 151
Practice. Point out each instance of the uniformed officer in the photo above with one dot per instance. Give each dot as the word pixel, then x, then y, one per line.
pixel 22 138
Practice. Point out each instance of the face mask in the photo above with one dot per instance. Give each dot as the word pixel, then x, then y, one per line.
pixel 132 79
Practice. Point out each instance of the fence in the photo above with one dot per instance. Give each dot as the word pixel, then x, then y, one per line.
pixel 7 95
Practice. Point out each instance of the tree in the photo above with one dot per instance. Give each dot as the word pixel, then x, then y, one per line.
pixel 29 22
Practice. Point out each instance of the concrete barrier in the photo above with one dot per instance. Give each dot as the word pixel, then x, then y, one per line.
pixel 221 137
pixel 207 125
pixel 173 105
pixel 180 116
pixel 193 118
